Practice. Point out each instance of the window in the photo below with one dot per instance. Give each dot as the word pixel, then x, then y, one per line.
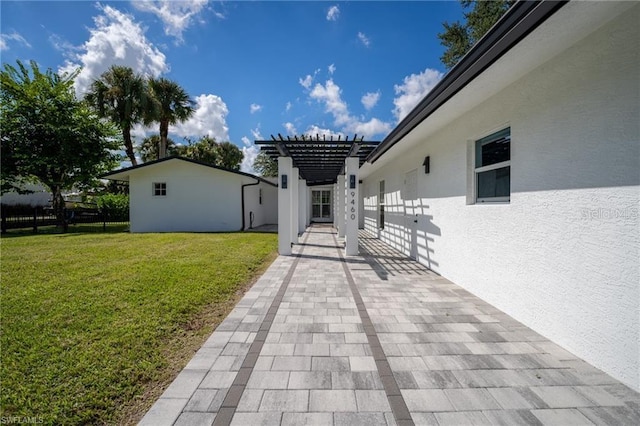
pixel 493 167
pixel 260 195
pixel 381 206
pixel 159 189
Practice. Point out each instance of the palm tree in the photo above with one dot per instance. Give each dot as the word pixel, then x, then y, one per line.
pixel 148 149
pixel 172 105
pixel 121 96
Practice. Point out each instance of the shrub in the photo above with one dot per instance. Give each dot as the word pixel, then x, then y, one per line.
pixel 114 204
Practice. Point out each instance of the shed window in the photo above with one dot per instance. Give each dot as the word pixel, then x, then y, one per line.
pixel 159 189
pixel 493 167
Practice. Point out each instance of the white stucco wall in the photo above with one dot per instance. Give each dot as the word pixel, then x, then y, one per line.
pixel 265 213
pixel 563 256
pixel 199 199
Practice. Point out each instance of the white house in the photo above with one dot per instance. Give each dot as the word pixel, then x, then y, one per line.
pixel 517 177
pixel 177 194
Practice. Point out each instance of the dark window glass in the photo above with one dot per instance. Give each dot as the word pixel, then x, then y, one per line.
pixel 494 149
pixel 160 189
pixel 494 183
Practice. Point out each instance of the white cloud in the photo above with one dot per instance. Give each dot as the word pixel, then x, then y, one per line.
pixel 256 133
pixel 370 99
pixel 291 128
pixel 333 13
pixel 116 40
pixel 14 36
pixel 62 45
pixel 209 119
pixel 250 152
pixel 369 128
pixel 176 16
pixel 315 130
pixel 412 90
pixel 255 108
pixel 364 39
pixel 288 106
pixel 306 82
pixel 330 95
pixel 332 69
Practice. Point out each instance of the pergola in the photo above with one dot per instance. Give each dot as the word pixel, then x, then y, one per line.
pixel 306 161
pixel 319 159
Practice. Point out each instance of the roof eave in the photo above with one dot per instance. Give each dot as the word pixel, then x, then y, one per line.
pixel 126 171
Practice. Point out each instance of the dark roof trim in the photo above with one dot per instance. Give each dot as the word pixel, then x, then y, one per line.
pixel 189 160
pixel 519 21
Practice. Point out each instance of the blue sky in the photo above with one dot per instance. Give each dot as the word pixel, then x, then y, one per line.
pixel 253 68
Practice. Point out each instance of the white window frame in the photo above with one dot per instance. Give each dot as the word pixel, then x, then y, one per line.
pixel 159 189
pixel 478 170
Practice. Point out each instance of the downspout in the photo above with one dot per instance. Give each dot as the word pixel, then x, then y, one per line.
pixel 242 197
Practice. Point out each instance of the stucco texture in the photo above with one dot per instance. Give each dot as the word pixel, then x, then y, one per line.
pixel 562 255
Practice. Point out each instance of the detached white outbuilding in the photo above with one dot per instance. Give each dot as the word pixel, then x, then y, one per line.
pixel 177 194
pixel 518 177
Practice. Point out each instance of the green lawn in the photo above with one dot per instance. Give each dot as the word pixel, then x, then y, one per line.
pixel 94 325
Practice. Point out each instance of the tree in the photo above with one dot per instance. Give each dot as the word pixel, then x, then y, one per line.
pixel 149 149
pixel 48 134
pixel 458 37
pixel 265 166
pixel 171 105
pixel 121 96
pixel 205 150
pixel 229 156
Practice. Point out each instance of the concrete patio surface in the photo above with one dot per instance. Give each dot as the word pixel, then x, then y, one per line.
pixel 378 339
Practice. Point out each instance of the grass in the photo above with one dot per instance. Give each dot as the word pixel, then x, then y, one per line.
pixel 93 326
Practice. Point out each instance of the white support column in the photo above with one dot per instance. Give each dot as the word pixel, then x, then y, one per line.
pixel 295 176
pixel 285 174
pixel 340 192
pixel 334 206
pixel 352 164
pixel 308 201
pixel 302 204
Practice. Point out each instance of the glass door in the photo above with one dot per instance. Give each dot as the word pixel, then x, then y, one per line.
pixel 321 205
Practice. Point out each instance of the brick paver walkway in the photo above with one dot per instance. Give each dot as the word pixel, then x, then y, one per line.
pixel 377 339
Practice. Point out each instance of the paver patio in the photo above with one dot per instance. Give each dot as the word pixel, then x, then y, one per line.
pixel 378 339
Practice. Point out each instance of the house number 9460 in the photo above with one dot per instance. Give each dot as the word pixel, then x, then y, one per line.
pixel 353 208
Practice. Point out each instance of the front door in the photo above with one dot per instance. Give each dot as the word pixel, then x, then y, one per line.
pixel 321 205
